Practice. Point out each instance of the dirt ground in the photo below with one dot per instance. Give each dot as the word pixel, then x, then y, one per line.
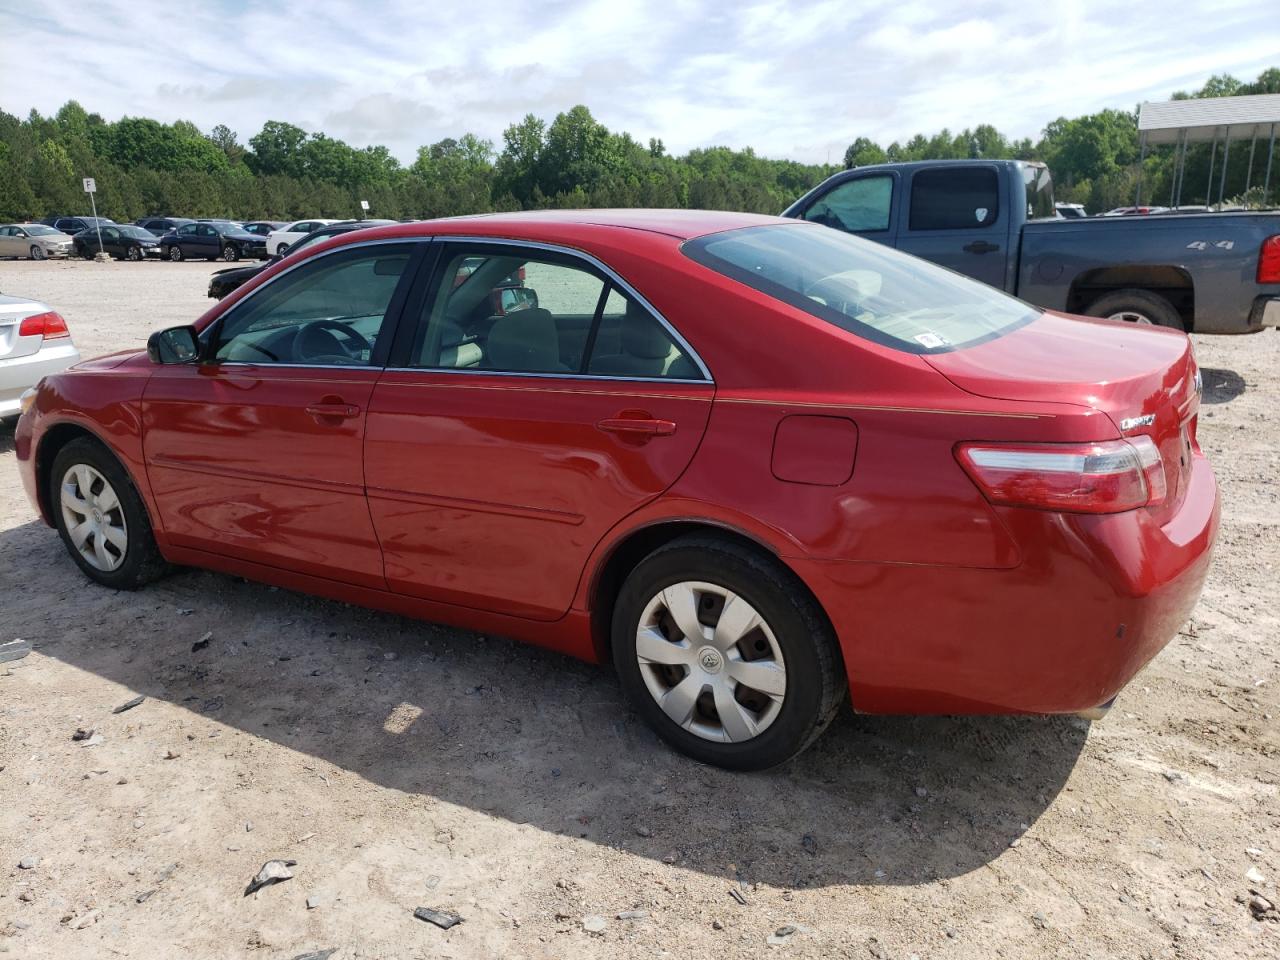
pixel 405 765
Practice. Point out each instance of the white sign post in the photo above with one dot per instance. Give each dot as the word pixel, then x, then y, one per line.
pixel 90 187
pixel 364 206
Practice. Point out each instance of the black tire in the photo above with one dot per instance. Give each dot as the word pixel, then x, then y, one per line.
pixel 134 254
pixel 1150 307
pixel 36 251
pixel 175 254
pixel 87 253
pixel 142 561
pixel 816 685
pixel 230 253
pixel 280 250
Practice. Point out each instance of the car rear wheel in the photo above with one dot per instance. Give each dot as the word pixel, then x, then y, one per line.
pixel 1136 306
pixel 134 253
pixel 37 252
pixel 725 654
pixel 175 254
pixel 230 253
pixel 100 517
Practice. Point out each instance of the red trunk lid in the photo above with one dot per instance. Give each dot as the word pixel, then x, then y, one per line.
pixel 1128 372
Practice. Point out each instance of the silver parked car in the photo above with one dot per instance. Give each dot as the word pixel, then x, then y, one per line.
pixel 34 342
pixel 33 240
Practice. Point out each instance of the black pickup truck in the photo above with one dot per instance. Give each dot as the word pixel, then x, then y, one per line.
pixel 994 220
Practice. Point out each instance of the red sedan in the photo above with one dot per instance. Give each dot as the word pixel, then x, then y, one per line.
pixel 754 462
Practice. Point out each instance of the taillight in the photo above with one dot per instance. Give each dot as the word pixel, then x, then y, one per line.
pixel 1269 260
pixel 1107 477
pixel 48 325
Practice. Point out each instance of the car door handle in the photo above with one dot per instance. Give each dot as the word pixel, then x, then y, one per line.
pixel 333 411
pixel 637 427
pixel 981 246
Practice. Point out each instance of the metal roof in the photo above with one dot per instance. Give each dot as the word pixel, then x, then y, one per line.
pixel 1209 118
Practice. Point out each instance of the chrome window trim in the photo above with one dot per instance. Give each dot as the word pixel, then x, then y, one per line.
pixel 477 240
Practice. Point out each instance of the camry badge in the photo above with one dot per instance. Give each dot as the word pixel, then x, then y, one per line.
pixel 1133 423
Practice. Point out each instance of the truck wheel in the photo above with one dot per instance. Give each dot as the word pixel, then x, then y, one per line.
pixel 1136 306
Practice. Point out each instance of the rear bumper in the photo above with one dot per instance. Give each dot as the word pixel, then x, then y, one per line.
pixel 18 374
pixel 1266 312
pixel 1092 602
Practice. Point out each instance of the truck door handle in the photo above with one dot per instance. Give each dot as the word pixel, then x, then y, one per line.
pixel 333 411
pixel 981 246
pixel 637 427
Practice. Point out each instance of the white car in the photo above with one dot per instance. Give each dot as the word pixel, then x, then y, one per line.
pixel 34 342
pixel 278 240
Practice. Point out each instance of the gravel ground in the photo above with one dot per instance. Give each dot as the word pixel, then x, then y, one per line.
pixel 405 765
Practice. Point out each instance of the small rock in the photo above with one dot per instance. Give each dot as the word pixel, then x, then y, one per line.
pixel 93 741
pixel 1253 851
pixel 248 826
pixel 389 655
pixel 185 611
pixel 128 705
pixel 26 896
pixel 313 902
pixel 633 914
pixel 1173 776
pixel 273 871
pixel 122 781
pixel 810 844
pixel 82 734
pixel 28 863
pixel 951 933
pixel 171 755
pixel 1039 920
pixel 87 920
pixel 441 919
pixel 1015 842
pixel 594 924
pixel 717 925
pixel 738 895
pixel 144 896
pixel 921 792
pixel 202 642
pixel 643 832
pixel 1255 876
pixel 317 954
pixel 137 823
pixel 1260 906
pixel 14 650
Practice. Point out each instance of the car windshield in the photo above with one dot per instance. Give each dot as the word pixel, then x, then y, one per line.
pixel 863 287
pixel 40 230
pixel 138 232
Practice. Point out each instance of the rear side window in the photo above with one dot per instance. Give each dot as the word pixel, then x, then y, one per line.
pixel 954 198
pixel 863 287
pixel 855 206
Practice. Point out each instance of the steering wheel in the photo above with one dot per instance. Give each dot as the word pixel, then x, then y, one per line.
pixel 837 295
pixel 323 340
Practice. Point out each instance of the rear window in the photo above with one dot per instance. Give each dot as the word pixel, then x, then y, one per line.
pixel 954 198
pixel 862 287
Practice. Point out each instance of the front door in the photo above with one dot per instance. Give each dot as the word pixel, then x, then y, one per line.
pixel 536 403
pixel 257 452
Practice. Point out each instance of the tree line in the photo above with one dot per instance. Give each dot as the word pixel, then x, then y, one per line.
pixel 145 167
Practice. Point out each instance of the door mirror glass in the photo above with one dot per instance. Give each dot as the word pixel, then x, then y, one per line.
pixel 175 345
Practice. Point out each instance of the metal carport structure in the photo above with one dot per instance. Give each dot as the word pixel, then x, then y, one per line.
pixel 1208 120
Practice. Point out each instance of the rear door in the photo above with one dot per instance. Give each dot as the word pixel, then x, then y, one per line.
pixel 257 453
pixel 12 245
pixel 954 216
pixel 514 429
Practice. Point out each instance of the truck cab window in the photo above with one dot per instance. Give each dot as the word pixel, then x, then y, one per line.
pixel 855 206
pixel 954 198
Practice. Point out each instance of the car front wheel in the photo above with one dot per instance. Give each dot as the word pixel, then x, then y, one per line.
pixel 134 253
pixel 100 517
pixel 726 654
pixel 175 254
pixel 37 252
pixel 230 253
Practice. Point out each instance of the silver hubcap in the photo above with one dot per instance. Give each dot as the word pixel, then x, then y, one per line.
pixel 1131 316
pixel 711 662
pixel 93 517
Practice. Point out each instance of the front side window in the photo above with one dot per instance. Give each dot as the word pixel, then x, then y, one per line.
pixel 329 312
pixel 861 205
pixel 508 310
pixel 188 230
pixel 954 198
pixel 863 287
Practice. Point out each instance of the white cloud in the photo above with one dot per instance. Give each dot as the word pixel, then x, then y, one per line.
pixel 799 79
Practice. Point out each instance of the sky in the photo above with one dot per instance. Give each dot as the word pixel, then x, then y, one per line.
pixel 799 80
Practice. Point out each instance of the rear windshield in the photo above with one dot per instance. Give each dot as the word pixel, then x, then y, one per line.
pixel 863 287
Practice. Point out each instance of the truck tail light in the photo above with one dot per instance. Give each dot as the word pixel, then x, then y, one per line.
pixel 1269 260
pixel 48 325
pixel 1107 477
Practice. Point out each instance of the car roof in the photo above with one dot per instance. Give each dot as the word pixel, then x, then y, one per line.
pixel 681 224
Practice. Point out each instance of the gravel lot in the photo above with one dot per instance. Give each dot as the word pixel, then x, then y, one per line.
pixel 405 765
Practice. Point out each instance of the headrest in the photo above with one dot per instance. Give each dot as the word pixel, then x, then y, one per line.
pixel 642 335
pixel 525 341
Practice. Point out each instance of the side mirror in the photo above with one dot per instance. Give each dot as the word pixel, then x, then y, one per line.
pixel 175 345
